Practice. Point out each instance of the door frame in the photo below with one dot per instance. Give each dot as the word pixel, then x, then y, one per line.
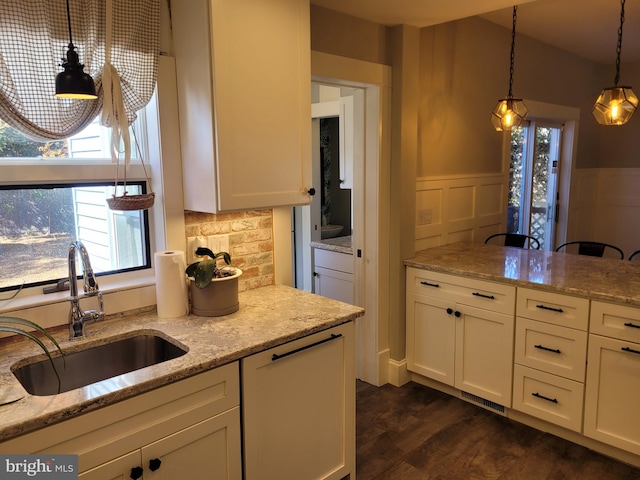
pixel 569 117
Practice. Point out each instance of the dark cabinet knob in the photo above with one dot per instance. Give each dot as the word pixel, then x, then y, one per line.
pixel 311 191
pixel 449 311
pixel 154 464
pixel 457 314
pixel 136 472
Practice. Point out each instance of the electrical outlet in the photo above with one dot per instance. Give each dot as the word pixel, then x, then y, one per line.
pixel 218 243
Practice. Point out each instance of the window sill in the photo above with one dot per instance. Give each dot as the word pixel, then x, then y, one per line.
pixel 50 310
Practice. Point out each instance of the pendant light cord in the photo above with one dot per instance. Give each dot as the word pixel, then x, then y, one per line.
pixel 619 47
pixel 513 48
pixel 69 24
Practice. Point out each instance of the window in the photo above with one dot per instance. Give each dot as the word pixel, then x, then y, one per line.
pixel 53 193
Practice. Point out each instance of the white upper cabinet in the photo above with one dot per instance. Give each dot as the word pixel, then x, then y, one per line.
pixel 243 76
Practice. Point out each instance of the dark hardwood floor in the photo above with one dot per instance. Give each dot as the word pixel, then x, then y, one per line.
pixel 417 433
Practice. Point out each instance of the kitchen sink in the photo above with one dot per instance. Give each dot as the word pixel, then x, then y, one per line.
pixel 94 364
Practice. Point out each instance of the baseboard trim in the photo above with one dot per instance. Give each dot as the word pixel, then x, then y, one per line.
pixel 398 373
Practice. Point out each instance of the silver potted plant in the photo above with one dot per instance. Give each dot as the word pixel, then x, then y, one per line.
pixel 213 289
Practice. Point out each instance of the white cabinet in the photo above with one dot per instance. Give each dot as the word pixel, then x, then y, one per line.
pixel 333 275
pixel 612 392
pixel 551 356
pixel 201 450
pixel 346 108
pixel 460 332
pixel 243 78
pixel 299 408
pixel 191 426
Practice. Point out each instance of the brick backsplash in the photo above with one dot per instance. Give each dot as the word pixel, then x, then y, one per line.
pixel 250 241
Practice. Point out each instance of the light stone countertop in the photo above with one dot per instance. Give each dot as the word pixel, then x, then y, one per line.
pixel 604 279
pixel 336 244
pixel 268 316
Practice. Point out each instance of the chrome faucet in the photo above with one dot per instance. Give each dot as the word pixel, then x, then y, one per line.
pixel 77 318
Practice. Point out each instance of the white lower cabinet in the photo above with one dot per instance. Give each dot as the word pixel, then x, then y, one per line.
pixel 188 428
pixel 299 408
pixel 333 275
pixel 550 356
pixel 452 340
pixel 613 377
pixel 207 450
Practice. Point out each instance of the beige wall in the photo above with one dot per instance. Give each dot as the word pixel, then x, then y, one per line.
pixel 347 36
pixel 250 241
pixel 464 70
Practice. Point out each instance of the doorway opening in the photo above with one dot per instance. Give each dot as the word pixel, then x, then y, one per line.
pixel 533 207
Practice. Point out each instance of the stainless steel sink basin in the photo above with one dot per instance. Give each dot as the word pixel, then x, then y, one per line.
pixel 94 364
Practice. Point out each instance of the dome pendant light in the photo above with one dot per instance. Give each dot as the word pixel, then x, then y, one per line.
pixel 616 105
pixel 73 82
pixel 510 112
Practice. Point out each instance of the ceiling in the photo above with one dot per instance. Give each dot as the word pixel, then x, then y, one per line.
pixel 588 28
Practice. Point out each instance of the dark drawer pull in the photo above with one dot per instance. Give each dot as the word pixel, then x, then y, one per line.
pixel 332 337
pixel 630 350
pixel 544 307
pixel 490 297
pixel 427 284
pixel 632 325
pixel 552 400
pixel 541 347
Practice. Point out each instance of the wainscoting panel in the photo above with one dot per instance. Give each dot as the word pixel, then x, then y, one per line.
pixel 605 206
pixel 460 208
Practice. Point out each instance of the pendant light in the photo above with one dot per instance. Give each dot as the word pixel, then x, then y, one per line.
pixel 616 105
pixel 73 82
pixel 510 112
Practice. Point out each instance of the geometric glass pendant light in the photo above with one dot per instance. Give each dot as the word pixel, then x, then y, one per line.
pixel 510 112
pixel 73 82
pixel 616 105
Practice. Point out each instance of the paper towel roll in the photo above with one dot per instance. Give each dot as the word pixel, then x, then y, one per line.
pixel 171 284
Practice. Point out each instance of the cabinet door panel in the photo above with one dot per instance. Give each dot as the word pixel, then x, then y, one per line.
pixel 207 450
pixel 612 393
pixel 299 409
pixel 117 469
pixel 431 335
pixel 484 354
pixel 334 284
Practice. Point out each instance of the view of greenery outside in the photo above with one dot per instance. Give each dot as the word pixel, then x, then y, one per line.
pixel 34 223
pixel 540 180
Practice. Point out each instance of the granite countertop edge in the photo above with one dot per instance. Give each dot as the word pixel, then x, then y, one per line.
pixel 337 244
pixel 608 280
pixel 268 317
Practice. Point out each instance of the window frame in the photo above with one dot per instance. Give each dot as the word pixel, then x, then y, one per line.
pixel 132 290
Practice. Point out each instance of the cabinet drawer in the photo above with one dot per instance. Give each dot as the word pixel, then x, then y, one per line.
pixel 476 293
pixel 555 308
pixel 549 397
pixel 333 260
pixel 558 350
pixel 615 321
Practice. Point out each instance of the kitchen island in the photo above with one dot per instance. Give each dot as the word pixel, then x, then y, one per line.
pixel 272 322
pixel 548 339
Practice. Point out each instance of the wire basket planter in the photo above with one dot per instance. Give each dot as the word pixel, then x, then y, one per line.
pixel 126 202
